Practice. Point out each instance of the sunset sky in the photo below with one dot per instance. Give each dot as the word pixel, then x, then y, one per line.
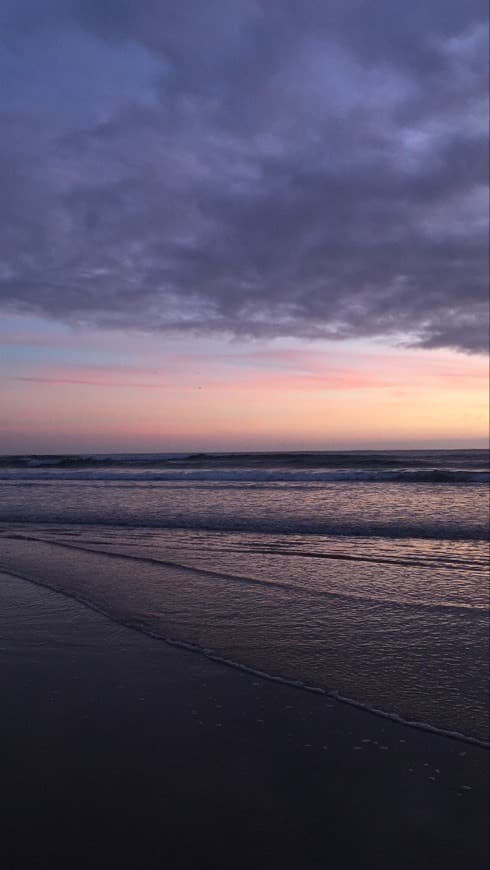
pixel 234 224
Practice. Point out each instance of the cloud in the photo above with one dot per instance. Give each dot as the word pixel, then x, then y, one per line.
pixel 248 168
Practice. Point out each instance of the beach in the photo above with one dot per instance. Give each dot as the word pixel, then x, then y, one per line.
pixel 122 751
pixel 244 436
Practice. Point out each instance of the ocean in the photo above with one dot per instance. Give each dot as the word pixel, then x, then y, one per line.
pixel 363 575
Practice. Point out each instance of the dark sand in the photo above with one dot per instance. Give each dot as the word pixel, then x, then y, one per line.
pixel 120 751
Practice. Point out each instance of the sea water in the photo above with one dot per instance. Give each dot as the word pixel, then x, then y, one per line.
pixel 364 575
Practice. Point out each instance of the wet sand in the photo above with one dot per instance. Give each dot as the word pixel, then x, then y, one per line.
pixel 120 751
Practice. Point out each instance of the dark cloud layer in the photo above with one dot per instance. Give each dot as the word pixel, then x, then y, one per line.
pixel 289 167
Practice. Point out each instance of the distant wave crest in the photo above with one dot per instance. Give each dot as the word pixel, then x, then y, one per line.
pixel 255 475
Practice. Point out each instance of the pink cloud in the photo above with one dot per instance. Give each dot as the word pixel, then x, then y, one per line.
pixel 282 369
pixel 91 382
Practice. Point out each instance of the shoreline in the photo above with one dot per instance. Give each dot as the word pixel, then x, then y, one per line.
pixel 264 675
pixel 124 751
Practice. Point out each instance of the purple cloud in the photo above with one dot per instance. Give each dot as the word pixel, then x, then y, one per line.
pixel 280 169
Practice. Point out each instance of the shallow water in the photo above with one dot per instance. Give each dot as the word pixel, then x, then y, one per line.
pixel 375 589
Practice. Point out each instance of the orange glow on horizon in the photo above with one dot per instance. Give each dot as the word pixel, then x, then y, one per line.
pixel 301 399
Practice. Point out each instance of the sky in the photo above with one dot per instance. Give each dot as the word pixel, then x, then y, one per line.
pixel 243 224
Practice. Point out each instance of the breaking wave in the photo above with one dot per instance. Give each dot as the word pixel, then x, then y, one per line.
pixel 251 475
